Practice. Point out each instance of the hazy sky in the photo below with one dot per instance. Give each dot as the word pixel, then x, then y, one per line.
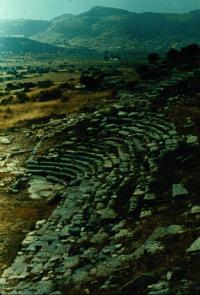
pixel 47 9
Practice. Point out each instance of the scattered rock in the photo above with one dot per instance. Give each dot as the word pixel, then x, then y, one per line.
pixel 145 213
pixel 99 237
pixel 195 247
pixel 195 210
pixel 178 190
pixel 192 140
pixel 107 213
pixel 5 140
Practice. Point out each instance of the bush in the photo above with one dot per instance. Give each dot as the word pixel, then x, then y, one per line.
pixel 45 83
pixel 65 96
pixel 65 85
pixel 49 94
pixel 191 50
pixel 92 81
pixel 187 55
pixel 22 97
pixel 153 57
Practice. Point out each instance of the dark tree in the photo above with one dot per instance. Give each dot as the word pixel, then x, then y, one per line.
pixel 153 57
pixel 173 55
pixel 191 50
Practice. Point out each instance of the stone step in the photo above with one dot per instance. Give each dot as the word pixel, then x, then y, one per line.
pixel 68 163
pixel 67 174
pixel 69 168
pixel 84 152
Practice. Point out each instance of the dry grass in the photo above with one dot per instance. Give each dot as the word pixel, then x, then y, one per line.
pixel 17 218
pixel 19 113
pixel 56 77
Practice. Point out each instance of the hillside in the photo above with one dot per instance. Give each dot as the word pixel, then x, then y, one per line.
pixel 12 44
pixel 95 28
pixel 25 45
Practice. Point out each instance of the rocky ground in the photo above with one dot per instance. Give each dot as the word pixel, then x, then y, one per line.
pixel 19 211
pixel 125 187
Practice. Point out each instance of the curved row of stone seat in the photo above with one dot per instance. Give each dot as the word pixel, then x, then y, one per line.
pixel 102 148
pixel 66 174
pixel 87 155
pixel 150 133
pixel 72 163
pixel 64 163
pixel 135 117
pixel 82 152
pixel 143 119
pixel 91 153
pixel 93 150
pixel 140 126
pixel 139 146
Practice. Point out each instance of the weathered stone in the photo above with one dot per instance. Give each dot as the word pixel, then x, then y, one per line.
pixel 119 226
pixel 123 233
pixel 71 261
pixel 139 192
pixel 192 140
pixel 100 206
pixel 107 213
pixel 195 210
pixel 2 281
pixel 122 114
pixel 99 237
pixel 152 247
pixel 174 230
pixel 5 140
pixel 145 213
pixel 159 286
pixel 153 147
pixel 43 287
pixel 178 190
pixel 149 247
pixel 161 292
pixel 150 197
pixel 28 240
pixel 38 268
pixel 195 247
pixel 161 232
pixel 80 277
pixel 101 193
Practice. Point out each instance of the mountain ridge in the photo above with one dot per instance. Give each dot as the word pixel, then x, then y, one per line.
pixel 107 28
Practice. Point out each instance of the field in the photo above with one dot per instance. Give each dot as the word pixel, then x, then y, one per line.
pixel 32 89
